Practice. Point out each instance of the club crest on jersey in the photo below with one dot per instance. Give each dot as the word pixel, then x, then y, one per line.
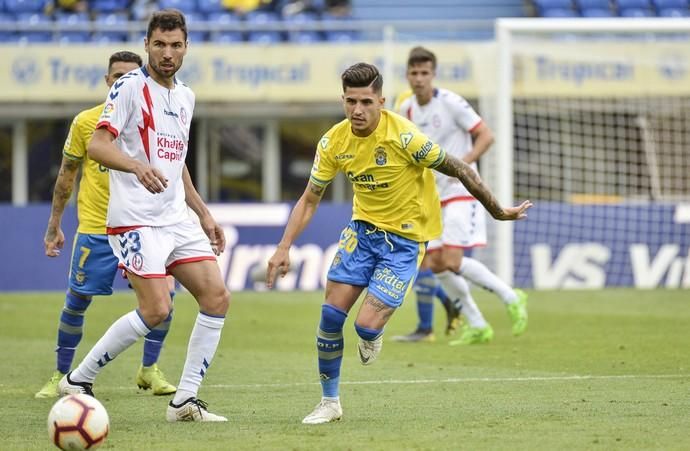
pixel 380 156
pixel 137 261
pixel 183 115
pixel 317 160
pixel 405 139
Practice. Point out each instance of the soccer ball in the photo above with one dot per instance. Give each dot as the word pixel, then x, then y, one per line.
pixel 78 422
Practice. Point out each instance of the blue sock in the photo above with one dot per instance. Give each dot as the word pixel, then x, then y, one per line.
pixel 366 333
pixel 70 329
pixel 329 344
pixel 153 341
pixel 425 286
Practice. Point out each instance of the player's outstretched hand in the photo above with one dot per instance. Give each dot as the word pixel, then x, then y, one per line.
pixel 278 265
pixel 515 213
pixel 53 241
pixel 152 179
pixel 214 232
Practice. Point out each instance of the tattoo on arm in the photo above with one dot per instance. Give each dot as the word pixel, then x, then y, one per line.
pixel 379 306
pixel 315 189
pixel 64 185
pixel 454 167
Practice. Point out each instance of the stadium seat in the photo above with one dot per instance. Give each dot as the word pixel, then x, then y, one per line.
pixel 673 12
pixel 558 13
pixel 194 33
pixel 222 34
pixel 594 4
pixel 7 20
pixel 186 6
pixel 596 12
pixel 543 5
pixel 39 25
pixel 111 28
pixel 25 6
pixel 70 30
pixel 109 6
pixel 635 12
pixel 338 34
pixel 297 33
pixel 210 7
pixel 258 18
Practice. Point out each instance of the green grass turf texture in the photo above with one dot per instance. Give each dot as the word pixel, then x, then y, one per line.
pixel 595 370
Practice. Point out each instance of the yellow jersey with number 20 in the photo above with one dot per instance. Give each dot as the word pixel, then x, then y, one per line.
pixel 393 187
pixel 92 199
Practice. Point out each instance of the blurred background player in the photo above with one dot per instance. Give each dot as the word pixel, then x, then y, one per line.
pixel 386 158
pixel 143 136
pixel 93 265
pixel 450 121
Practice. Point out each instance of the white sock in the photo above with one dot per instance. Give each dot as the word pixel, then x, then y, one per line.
pixel 456 288
pixel 202 346
pixel 121 335
pixel 477 273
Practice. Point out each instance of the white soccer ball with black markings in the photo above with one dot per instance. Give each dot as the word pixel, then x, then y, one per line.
pixel 78 422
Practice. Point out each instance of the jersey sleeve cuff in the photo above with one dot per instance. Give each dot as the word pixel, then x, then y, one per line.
pixel 109 127
pixel 319 182
pixel 439 160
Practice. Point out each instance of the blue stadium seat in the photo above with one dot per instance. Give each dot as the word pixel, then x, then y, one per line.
pixel 673 12
pixel 186 6
pixel 556 13
pixel 627 4
pixel 25 6
pixel 194 34
pixel 593 4
pixel 39 23
pixel 67 20
pixel 225 36
pixel 544 5
pixel 297 34
pixel 596 12
pixel 261 18
pixel 210 7
pixel 109 6
pixel 636 12
pixel 339 35
pixel 672 8
pixel 111 28
pixel 5 20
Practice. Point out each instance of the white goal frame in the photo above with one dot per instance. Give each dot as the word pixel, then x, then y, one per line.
pixel 503 182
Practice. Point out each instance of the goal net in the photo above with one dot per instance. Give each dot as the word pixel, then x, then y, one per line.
pixel 592 122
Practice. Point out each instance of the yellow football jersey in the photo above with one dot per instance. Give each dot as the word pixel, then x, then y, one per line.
pixel 92 199
pixel 393 189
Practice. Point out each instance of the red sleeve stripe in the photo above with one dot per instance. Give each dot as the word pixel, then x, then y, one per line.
pixel 145 276
pixel 474 127
pixel 119 230
pixel 456 199
pixel 110 128
pixel 189 260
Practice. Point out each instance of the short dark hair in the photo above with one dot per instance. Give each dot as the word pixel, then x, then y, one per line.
pixel 419 55
pixel 167 20
pixel 361 75
pixel 124 57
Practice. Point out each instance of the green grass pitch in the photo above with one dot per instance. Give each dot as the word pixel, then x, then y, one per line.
pixel 596 370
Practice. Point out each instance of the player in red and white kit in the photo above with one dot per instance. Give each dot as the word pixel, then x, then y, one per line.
pixel 449 120
pixel 142 136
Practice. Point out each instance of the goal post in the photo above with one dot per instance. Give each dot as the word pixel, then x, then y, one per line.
pixel 592 123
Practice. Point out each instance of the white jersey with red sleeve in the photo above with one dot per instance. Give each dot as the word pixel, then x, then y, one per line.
pixel 448 120
pixel 151 124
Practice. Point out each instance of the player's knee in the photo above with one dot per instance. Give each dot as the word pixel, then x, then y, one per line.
pixel 216 301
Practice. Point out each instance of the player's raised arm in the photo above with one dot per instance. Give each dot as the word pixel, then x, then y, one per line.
pixel 300 217
pixel 454 167
pixel 103 150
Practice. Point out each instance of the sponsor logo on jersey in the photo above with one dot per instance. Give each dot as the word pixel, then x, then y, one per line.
pixel 171 149
pixel 324 142
pixel 109 108
pixel 423 152
pixel 317 160
pixel 183 115
pixel 137 261
pixel 344 156
pixel 380 156
pixel 170 113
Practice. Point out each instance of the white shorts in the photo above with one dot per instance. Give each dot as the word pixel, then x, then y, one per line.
pixel 151 252
pixel 464 225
